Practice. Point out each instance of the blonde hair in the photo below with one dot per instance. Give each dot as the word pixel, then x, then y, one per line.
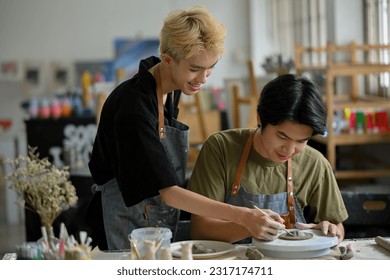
pixel 185 33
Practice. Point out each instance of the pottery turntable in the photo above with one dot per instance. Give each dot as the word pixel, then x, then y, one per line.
pixel 303 244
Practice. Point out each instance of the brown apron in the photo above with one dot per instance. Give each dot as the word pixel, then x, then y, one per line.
pixel 293 209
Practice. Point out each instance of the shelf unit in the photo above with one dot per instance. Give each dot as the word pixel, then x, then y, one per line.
pixel 358 66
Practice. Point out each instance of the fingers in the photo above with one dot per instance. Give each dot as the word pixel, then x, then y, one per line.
pixel 263 227
pixel 273 221
pixel 299 225
pixel 275 216
pixel 266 233
pixel 326 228
pixel 330 229
pixel 333 230
pixel 267 237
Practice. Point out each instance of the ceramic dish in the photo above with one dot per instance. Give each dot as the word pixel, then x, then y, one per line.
pixel 218 247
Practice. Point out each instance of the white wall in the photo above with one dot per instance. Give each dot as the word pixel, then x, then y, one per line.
pixel 85 29
pixel 11 141
pixel 56 30
pixel 345 21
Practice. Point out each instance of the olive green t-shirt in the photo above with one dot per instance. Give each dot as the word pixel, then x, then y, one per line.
pixel 313 178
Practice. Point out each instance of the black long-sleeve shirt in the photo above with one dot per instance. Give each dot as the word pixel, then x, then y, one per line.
pixel 127 145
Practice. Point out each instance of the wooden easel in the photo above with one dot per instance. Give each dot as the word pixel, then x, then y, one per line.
pixel 188 106
pixel 251 99
pixel 186 115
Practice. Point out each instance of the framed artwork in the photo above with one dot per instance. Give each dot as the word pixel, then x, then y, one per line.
pixel 100 70
pixel 61 76
pixel 11 70
pixel 128 53
pixel 33 77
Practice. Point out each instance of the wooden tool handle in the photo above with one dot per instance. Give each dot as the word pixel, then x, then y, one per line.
pixel 383 242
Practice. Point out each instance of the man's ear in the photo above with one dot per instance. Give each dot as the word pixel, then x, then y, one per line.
pixel 166 59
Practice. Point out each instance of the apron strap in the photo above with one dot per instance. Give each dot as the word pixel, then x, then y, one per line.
pixel 241 166
pixel 161 128
pixel 290 194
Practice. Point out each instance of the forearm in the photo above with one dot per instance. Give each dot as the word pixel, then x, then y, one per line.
pixel 255 222
pixel 194 203
pixel 216 229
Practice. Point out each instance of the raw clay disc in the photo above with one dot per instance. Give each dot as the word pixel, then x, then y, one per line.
pixel 297 235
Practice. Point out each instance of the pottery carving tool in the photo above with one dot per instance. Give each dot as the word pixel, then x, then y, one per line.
pixel 269 217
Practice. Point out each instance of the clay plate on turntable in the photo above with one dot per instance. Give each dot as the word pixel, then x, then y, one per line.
pixel 314 247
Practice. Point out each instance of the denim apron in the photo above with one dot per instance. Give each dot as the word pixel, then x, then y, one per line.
pixel 285 203
pixel 120 220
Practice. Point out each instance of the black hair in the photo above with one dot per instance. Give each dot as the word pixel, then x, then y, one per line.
pixel 293 98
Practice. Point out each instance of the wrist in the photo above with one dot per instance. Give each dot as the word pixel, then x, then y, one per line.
pixel 238 214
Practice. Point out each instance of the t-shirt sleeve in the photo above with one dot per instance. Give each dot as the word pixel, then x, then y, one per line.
pixel 328 199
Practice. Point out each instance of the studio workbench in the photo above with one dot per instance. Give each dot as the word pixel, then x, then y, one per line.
pixel 363 249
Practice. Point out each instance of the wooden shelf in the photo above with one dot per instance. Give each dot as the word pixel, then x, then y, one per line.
pixel 357 69
pixel 358 64
pixel 355 139
pixel 362 104
pixel 362 174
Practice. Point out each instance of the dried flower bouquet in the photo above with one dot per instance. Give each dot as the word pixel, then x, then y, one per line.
pixel 42 187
